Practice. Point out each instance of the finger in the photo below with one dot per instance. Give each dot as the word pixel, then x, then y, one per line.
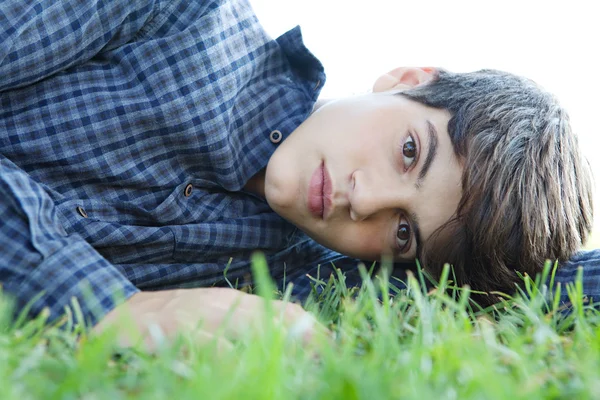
pixel 204 338
pixel 155 339
pixel 303 328
pixel 237 314
pixel 299 324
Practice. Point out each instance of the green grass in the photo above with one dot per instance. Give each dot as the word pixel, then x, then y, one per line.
pixel 409 344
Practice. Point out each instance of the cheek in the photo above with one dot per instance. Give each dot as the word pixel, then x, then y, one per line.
pixel 364 241
pixel 355 132
pixel 365 140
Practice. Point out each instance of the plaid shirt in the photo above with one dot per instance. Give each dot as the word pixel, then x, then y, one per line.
pixel 127 132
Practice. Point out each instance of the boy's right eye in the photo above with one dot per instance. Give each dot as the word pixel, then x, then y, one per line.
pixel 409 152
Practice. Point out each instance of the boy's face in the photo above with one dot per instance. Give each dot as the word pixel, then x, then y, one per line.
pixel 367 176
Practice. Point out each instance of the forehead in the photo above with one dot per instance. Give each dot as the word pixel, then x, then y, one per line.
pixel 417 109
pixel 438 194
pixel 441 190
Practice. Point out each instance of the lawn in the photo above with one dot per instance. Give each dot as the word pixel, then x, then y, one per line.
pixel 385 344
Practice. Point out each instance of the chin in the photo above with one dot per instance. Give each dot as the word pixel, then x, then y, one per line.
pixel 278 195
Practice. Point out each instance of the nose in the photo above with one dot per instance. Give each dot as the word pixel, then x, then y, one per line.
pixel 372 193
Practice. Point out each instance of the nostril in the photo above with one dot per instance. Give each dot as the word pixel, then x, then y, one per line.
pixel 356 217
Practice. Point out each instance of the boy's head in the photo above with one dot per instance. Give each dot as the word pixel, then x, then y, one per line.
pixel 480 170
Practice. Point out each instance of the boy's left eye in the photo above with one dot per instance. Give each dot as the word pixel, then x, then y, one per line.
pixel 409 152
pixel 403 236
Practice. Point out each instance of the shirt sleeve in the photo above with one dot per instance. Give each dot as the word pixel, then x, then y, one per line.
pixel 43 37
pixel 567 272
pixel 39 257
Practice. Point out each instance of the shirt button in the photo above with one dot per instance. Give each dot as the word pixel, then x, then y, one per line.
pixel 82 212
pixel 276 136
pixel 188 190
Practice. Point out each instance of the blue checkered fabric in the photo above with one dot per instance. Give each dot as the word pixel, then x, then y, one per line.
pixel 127 132
pixel 588 264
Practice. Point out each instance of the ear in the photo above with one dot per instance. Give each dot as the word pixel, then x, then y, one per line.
pixel 404 78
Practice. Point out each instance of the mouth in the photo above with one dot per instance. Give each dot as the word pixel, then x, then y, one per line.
pixel 319 193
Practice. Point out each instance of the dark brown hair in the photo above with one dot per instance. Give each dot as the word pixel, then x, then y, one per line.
pixel 527 189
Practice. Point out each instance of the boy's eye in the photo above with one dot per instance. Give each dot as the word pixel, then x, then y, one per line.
pixel 409 152
pixel 403 236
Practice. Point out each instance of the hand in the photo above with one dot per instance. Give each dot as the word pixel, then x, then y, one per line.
pixel 211 309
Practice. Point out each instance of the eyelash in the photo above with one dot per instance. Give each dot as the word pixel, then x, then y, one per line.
pixel 406 246
pixel 408 141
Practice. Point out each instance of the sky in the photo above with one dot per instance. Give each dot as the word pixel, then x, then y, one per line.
pixel 555 43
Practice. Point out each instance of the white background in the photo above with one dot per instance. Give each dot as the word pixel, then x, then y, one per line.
pixel 557 44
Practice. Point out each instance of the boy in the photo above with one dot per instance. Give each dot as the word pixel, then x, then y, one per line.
pixel 152 145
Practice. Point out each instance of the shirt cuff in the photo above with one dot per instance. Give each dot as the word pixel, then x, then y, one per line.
pixel 75 271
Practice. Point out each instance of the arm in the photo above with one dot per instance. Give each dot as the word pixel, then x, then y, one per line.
pixel 39 256
pixel 207 312
pixel 43 37
pixel 566 274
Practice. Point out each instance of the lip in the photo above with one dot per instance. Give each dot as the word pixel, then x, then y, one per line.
pixel 319 192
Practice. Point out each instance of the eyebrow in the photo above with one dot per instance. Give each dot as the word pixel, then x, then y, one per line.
pixel 417 232
pixel 431 153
